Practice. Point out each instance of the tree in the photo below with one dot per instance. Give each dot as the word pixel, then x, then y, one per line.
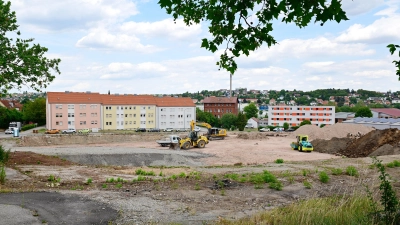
pixel 243 26
pixel 251 110
pixel 35 111
pixel 392 49
pixel 9 115
pixel 241 122
pixel 285 125
pixel 363 112
pixel 304 122
pixel 228 120
pixel 20 62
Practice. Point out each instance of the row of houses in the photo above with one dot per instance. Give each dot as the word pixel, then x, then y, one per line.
pixel 79 110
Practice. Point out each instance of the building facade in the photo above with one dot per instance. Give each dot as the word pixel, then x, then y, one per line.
pixel 174 112
pixel 73 110
pixel 294 115
pixel 218 106
pixel 79 110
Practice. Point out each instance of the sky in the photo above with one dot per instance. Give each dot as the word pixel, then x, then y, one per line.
pixel 134 47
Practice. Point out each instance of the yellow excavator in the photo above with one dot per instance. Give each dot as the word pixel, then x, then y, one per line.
pixel 193 139
pixel 213 133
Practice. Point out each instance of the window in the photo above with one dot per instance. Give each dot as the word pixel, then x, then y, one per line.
pixel 82 122
pixel 94 114
pixel 82 106
pixel 82 114
pixel 149 107
pixel 126 107
pixel 58 106
pixel 94 122
pixel 58 114
pixel 71 122
pixel 71 106
pixel 108 123
pixel 59 123
pixel 130 107
pixel 130 122
pixel 126 122
pixel 126 115
pixel 70 114
pixel 134 122
pixel 134 107
pixel 130 115
pixel 93 106
pixel 134 115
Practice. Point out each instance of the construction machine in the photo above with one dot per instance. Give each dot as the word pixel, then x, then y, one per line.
pixel 302 144
pixel 213 133
pixel 193 139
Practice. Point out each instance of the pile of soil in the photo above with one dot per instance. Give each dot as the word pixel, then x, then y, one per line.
pixel 332 146
pixel 338 130
pixel 252 136
pixel 384 142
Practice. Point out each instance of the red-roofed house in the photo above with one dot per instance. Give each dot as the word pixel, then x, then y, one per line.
pixel 386 113
pixel 218 106
pixel 11 104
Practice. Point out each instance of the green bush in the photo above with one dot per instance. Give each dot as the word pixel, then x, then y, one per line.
pixel 323 177
pixel 307 184
pixel 28 127
pixel 337 171
pixel 351 171
pixel 2 174
pixel 4 155
pixel 279 161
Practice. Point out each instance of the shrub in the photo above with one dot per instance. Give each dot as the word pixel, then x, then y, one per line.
pixel 89 181
pixel 351 171
pixel 279 161
pixel 307 184
pixel 2 174
pixel 323 177
pixel 233 176
pixel 4 155
pixel 276 185
pixel 337 171
pixel 140 172
pixel 141 178
pixel 182 175
pixel 28 127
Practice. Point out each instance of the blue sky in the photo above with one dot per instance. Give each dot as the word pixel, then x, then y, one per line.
pixel 134 47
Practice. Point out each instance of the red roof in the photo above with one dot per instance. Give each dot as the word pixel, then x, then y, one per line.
pixel 389 111
pixel 11 104
pixel 220 100
pixel 172 101
pixel 87 98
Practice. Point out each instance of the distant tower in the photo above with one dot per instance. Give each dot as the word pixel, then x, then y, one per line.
pixel 108 92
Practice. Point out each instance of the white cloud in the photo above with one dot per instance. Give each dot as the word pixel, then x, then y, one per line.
pixel 164 28
pixel 53 16
pixel 102 40
pixel 314 78
pixel 356 7
pixel 383 30
pixel 316 47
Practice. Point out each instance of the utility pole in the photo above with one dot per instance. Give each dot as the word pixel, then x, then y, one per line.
pixel 230 89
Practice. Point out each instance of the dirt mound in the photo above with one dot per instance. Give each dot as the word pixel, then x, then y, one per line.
pixel 332 146
pixel 373 141
pixel 386 149
pixel 338 130
pixel 252 136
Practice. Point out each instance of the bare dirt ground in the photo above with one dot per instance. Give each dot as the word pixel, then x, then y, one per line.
pixel 179 193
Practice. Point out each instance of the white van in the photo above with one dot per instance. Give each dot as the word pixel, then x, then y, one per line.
pixel 278 129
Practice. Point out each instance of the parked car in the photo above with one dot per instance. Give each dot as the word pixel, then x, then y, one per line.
pixel 168 129
pixel 154 130
pixel 279 129
pixel 290 130
pixel 69 131
pixel 84 131
pixel 9 131
pixel 53 131
pixel 264 129
pixel 249 125
pixel 180 130
pixel 141 130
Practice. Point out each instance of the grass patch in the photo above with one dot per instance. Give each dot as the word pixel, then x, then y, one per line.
pixel 328 211
pixel 144 173
pixel 279 161
pixel 324 177
pixel 352 171
pixel 337 171
pixel 307 184
pixel 232 176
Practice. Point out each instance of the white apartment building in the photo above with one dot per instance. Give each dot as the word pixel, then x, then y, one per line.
pixel 174 112
pixel 294 115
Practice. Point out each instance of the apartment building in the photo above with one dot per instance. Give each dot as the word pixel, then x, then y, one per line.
pixel 175 112
pixel 76 110
pixel 294 115
pixel 127 112
pixel 81 110
pixel 218 106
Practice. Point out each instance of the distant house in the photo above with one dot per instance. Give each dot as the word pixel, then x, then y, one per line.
pixel 343 116
pixel 395 101
pixel 11 104
pixel 263 122
pixel 272 101
pixel 386 113
pixel 252 122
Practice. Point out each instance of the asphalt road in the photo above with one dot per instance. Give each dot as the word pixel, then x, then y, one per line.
pixel 52 208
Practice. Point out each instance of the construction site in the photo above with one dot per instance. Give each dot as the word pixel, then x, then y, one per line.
pixel 130 179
